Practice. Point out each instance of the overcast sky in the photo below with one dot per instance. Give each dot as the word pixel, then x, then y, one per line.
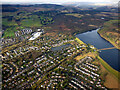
pixel 55 1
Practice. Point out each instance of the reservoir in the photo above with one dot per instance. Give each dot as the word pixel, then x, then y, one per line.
pixel 110 56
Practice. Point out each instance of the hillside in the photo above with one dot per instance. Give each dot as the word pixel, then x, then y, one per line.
pixel 110 32
pixel 53 18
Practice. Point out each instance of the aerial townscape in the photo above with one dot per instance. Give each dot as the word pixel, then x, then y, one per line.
pixel 66 46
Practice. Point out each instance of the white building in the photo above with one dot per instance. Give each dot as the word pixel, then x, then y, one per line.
pixel 35 35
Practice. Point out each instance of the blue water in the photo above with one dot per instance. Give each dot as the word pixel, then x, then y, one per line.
pixel 111 56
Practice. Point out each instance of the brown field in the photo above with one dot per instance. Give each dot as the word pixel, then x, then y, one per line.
pixel 101 15
pixel 76 15
pixel 92 25
pixel 110 80
pixel 87 54
pixel 113 33
pixel 50 34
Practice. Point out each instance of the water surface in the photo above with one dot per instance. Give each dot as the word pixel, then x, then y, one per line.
pixel 110 56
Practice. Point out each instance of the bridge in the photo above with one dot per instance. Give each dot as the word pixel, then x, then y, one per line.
pixel 107 48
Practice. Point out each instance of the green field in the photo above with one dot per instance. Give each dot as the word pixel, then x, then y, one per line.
pixel 5 22
pixel 10 32
pixel 21 21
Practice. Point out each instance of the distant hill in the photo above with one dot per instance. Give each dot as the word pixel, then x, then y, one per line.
pixel 15 7
pixel 78 4
pixel 54 18
pixel 40 7
pixel 90 4
pixel 53 6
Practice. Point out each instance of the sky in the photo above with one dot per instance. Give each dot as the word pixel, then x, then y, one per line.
pixel 55 1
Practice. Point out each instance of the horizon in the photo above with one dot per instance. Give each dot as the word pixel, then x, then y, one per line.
pixel 55 1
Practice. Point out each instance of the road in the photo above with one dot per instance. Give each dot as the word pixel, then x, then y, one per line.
pixel 107 48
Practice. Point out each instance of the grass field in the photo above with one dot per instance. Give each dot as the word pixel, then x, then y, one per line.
pixel 31 21
pixel 24 20
pixel 10 32
pixel 79 41
pixel 87 54
pixel 5 22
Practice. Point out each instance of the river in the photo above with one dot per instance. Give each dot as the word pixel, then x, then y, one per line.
pixel 110 56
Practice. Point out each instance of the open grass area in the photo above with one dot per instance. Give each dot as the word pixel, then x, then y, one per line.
pixel 9 27
pixel 87 54
pixel 1 66
pixel 10 32
pixel 35 21
pixel 5 22
pixel 31 23
pixel 79 41
pixel 13 23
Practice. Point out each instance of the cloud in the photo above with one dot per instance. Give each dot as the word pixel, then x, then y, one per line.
pixel 55 1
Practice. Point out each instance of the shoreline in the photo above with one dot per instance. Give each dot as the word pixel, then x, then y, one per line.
pixel 112 79
pixel 117 47
pixel 75 33
pixel 109 68
pixel 104 62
